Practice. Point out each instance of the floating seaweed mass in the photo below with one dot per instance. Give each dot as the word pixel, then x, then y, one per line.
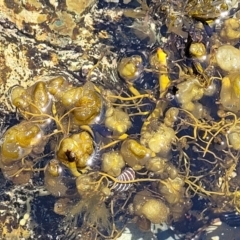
pixel 117 114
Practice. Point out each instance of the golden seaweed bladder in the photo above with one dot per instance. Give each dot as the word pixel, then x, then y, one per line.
pixel 231 29
pixel 77 149
pixel 57 86
pixel 171 116
pixel 130 68
pixel 159 140
pixel 135 154
pixel 157 165
pixel 228 58
pixel 230 92
pixel 58 180
pixel 112 163
pixel 172 189
pixel 188 95
pixel 34 100
pixel 197 49
pixel 117 120
pixel 234 137
pixel 85 102
pixel 19 141
pixel 162 167
pixel 151 208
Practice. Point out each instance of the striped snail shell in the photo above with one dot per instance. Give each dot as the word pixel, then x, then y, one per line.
pixel 127 175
